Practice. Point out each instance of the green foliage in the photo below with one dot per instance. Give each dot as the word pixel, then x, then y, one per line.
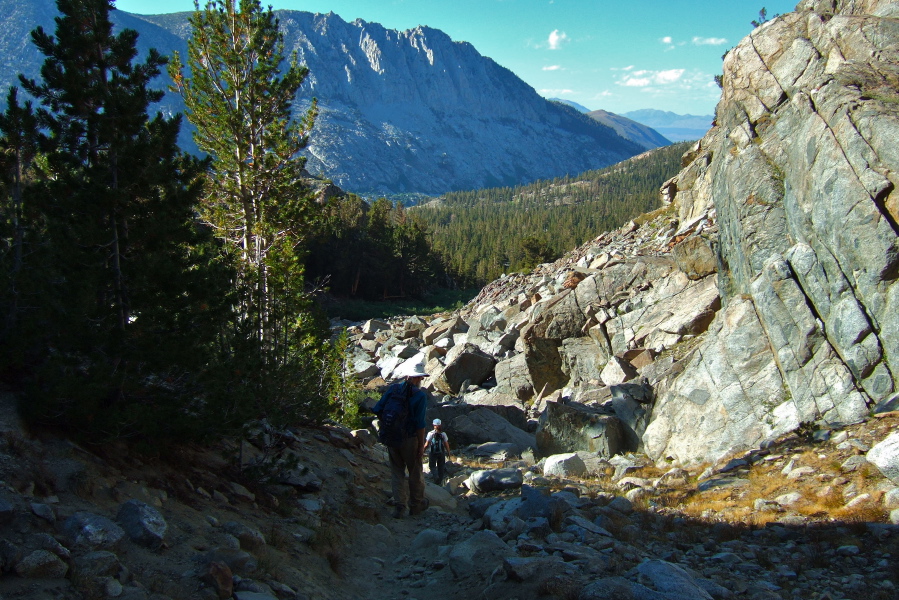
pixel 18 151
pixel 347 393
pixel 479 234
pixel 378 251
pixel 289 388
pixel 277 362
pixel 123 315
pixel 110 298
pixel 241 102
pixel 535 250
pixel 435 300
pixel 763 18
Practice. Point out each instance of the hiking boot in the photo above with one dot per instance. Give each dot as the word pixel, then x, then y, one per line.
pixel 420 508
pixel 399 511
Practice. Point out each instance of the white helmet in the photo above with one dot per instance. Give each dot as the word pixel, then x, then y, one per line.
pixel 438 422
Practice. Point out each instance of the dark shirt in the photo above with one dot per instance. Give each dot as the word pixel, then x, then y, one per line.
pixel 418 405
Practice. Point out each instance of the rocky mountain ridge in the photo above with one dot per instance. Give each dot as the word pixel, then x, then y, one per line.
pixel 400 112
pixel 636 132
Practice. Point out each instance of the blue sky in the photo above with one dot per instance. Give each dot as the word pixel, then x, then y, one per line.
pixel 615 55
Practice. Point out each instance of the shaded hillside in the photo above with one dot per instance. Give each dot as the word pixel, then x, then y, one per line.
pixel 479 233
pixel 572 104
pixel 636 132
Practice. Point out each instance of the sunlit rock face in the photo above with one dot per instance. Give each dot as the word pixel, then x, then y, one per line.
pixel 414 111
pixel 801 169
pixel 764 295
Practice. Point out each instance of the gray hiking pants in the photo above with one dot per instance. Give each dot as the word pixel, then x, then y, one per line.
pixel 407 457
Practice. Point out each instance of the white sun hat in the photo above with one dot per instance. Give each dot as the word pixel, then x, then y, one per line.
pixel 438 422
pixel 411 368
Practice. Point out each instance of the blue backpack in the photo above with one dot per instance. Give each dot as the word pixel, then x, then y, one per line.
pixel 395 418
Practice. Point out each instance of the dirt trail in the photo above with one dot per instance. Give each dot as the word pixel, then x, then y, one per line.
pixel 384 564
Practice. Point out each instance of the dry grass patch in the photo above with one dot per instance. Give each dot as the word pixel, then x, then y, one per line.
pixel 672 498
pixel 831 500
pixel 665 212
pixel 328 543
pixel 647 472
pixel 270 562
pixel 711 501
pixel 867 473
pixel 763 517
pixel 863 512
pixel 768 483
pixel 737 514
pixel 824 491
pixel 279 537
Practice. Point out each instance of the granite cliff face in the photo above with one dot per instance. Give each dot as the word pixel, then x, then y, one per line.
pixel 414 111
pixel 762 297
pixel 801 169
pixel 400 112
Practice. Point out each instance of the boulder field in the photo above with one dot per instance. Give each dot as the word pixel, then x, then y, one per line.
pixel 762 296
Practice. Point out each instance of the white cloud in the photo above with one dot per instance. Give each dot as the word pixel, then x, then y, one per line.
pixel 603 94
pixel 552 68
pixel 644 78
pixel 692 87
pixel 713 41
pixel 556 39
pixel 627 68
pixel 552 92
pixel 669 76
pixel 666 40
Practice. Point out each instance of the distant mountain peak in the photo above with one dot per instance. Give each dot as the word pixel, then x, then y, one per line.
pixel 629 129
pixel 400 111
pixel 673 126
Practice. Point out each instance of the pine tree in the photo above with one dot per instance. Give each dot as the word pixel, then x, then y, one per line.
pixel 241 105
pixel 124 306
pixel 18 149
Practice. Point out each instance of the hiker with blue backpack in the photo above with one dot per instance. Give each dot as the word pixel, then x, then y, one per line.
pixel 401 427
pixel 437 445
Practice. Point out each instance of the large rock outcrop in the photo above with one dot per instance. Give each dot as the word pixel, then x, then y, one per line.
pixel 801 169
pixel 761 296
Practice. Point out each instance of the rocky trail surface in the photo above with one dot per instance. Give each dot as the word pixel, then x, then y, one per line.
pixel 304 513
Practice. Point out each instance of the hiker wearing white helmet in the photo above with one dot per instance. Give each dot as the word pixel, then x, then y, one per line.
pixel 401 427
pixel 437 445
